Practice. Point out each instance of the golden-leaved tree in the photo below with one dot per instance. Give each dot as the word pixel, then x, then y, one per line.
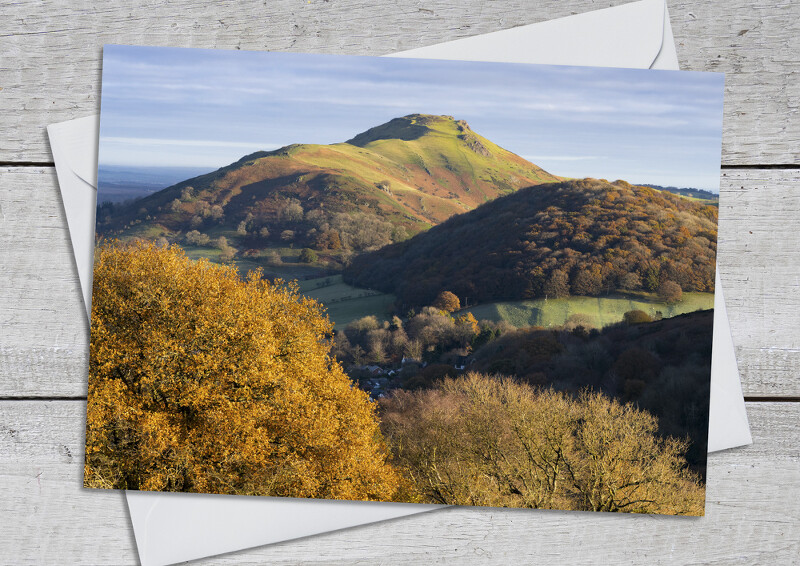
pixel 203 381
pixel 481 440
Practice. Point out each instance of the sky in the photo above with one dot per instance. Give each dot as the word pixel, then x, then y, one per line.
pixel 181 107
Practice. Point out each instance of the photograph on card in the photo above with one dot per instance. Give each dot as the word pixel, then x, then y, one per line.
pixel 380 279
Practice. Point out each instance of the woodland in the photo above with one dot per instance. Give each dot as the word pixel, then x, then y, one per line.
pixel 211 372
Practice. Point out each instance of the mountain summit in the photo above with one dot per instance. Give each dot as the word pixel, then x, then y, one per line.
pixel 416 126
pixel 411 172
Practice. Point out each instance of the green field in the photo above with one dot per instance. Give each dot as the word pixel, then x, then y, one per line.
pixel 601 311
pixel 290 269
pixel 345 303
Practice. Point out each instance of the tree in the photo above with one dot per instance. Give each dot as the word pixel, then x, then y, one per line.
pixel 587 282
pixel 670 292
pixel 447 302
pixel 292 211
pixel 580 320
pixel 630 281
pixel 216 212
pixel 557 284
pixel 482 440
pixel 197 238
pixel 621 464
pixel 202 381
pixel 227 253
pixel 308 255
pixel 328 240
pixel 636 317
pixel 469 321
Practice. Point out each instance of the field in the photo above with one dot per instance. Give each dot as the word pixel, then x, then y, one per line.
pixel 601 311
pixel 344 302
pixel 290 269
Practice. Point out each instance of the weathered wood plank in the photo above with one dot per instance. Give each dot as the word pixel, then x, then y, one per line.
pixel 752 517
pixel 759 259
pixel 50 51
pixel 44 347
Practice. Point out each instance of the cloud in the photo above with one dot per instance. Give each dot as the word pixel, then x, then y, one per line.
pixel 149 142
pixel 560 157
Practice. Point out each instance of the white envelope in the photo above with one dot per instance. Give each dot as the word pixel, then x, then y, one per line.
pixel 173 527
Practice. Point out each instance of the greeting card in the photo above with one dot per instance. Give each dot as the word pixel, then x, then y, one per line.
pixel 403 280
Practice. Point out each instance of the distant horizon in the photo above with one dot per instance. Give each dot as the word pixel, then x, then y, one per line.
pixel 193 108
pixel 199 171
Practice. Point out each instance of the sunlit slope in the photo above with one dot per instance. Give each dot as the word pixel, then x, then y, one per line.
pixel 415 171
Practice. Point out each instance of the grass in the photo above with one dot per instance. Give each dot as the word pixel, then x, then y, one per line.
pixel 289 270
pixel 344 302
pixel 601 311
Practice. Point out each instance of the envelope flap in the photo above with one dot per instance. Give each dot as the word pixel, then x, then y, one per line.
pixel 79 151
pixel 623 36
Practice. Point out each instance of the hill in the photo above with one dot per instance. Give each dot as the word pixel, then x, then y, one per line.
pixel 597 312
pixel 586 237
pixel 662 366
pixel 699 194
pixel 383 185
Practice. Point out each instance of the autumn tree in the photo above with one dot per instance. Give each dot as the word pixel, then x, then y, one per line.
pixel 292 211
pixel 197 238
pixel 619 463
pixel 670 292
pixel 447 302
pixel 469 321
pixel 636 317
pixel 273 257
pixel 482 440
pixel 216 212
pixel 557 285
pixel 307 255
pixel 328 240
pixel 588 281
pixel 630 281
pixel 201 381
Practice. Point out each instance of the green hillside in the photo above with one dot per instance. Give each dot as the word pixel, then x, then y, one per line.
pixel 345 303
pixel 597 312
pixel 381 186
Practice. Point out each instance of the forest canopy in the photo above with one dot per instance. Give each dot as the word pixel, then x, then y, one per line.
pixel 584 237
pixel 483 440
pixel 206 382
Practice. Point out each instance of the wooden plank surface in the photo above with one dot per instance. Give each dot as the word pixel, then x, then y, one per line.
pixel 45 350
pixel 50 51
pixel 49 71
pixel 751 513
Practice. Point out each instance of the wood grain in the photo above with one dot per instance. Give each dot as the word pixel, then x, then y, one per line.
pixel 50 71
pixel 45 348
pixel 751 513
pixel 50 51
